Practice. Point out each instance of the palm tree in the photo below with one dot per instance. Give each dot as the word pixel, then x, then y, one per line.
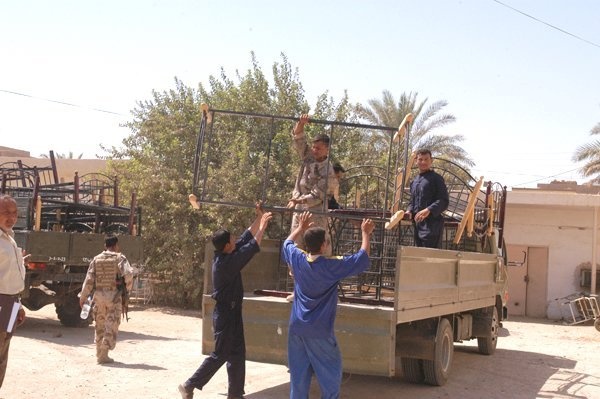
pixel 590 153
pixel 387 112
pixel 64 156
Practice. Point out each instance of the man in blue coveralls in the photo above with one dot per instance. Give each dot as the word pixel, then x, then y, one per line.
pixel 230 258
pixel 428 199
pixel 312 346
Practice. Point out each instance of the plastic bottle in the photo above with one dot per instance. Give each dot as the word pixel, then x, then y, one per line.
pixel 85 309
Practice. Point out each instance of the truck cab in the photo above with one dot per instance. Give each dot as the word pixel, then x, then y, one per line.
pixel 62 226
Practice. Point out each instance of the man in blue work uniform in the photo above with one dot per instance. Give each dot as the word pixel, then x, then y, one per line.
pixel 428 199
pixel 231 257
pixel 312 346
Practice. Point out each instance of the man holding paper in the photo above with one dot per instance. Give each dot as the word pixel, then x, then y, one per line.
pixel 12 277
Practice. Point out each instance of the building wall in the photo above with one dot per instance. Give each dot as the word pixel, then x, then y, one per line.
pixel 13 152
pixel 66 167
pixel 564 223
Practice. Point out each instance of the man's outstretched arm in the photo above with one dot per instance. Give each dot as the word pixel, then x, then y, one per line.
pixel 258 211
pixel 258 227
pixel 262 226
pixel 366 228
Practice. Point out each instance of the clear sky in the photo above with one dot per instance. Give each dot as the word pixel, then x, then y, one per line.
pixel 525 95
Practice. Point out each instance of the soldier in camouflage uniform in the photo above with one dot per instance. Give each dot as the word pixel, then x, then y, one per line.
pixel 106 275
pixel 315 183
pixel 316 180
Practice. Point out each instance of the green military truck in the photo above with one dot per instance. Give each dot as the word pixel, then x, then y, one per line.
pixel 62 227
pixel 403 315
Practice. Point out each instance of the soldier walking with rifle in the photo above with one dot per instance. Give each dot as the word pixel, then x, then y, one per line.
pixel 109 278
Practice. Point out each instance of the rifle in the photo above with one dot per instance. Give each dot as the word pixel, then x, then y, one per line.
pixel 124 298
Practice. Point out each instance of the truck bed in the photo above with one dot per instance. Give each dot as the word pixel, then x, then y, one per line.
pixel 434 282
pixel 429 283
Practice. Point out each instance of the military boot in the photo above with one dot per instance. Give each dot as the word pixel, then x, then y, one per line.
pixel 103 356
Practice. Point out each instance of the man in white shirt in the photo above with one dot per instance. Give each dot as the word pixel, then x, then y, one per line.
pixel 12 273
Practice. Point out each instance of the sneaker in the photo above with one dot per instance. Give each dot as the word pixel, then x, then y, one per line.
pixel 185 393
pixel 290 298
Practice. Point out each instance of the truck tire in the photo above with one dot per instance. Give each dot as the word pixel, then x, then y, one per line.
pixel 436 371
pixel 487 345
pixel 412 370
pixel 68 313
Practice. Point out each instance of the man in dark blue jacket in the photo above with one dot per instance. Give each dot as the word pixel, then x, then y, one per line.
pixel 231 257
pixel 428 199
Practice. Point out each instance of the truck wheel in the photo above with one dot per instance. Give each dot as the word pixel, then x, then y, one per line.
pixel 68 313
pixel 437 370
pixel 487 345
pixel 412 370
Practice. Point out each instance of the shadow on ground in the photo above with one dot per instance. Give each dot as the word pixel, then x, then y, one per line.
pixel 523 375
pixel 44 328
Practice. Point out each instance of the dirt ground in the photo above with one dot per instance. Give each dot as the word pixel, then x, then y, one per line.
pixel 160 347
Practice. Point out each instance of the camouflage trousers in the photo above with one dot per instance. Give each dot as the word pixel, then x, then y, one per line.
pixel 107 316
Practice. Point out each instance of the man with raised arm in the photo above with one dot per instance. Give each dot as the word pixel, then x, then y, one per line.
pixel 312 346
pixel 231 256
pixel 316 178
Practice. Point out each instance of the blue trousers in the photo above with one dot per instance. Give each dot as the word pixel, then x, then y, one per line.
pixel 230 348
pixel 320 356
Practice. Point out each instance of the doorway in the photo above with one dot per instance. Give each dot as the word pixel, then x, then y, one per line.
pixel 527 280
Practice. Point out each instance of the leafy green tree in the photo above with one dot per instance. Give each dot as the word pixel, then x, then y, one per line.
pixel 160 154
pixel 590 154
pixel 242 155
pixel 427 118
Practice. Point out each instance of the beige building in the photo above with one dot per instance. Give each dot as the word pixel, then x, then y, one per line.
pixel 550 234
pixel 66 168
pixel 13 152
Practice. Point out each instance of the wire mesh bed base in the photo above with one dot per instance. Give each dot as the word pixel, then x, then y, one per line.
pixel 376 188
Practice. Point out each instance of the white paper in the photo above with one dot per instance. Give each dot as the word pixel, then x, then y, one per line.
pixel 13 317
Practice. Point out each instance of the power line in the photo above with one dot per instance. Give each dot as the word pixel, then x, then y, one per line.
pixel 545 177
pixel 60 102
pixel 547 24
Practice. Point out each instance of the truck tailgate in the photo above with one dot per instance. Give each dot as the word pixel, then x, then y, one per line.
pixel 365 333
pixel 434 282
